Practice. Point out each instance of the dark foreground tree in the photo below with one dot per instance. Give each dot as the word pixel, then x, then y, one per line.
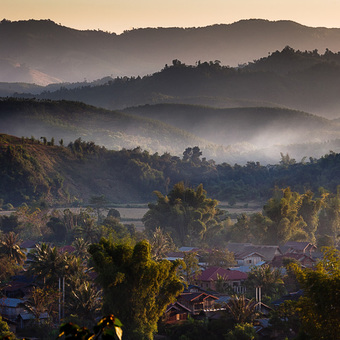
pixel 107 328
pixel 136 288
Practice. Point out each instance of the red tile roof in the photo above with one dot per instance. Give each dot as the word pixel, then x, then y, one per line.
pixel 212 273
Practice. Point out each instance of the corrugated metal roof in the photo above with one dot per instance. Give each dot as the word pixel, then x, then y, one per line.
pixel 10 302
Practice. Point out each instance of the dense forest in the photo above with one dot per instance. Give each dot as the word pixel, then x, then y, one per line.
pixel 291 78
pixel 40 169
pixel 232 135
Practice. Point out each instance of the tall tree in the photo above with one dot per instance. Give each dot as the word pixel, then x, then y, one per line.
pixel 309 210
pixel 283 210
pixel 270 280
pixel 9 246
pixel 191 269
pixel 136 288
pixel 84 301
pixel 319 308
pixel 49 265
pixel 329 219
pixel 187 214
pixel 160 243
pixel 241 309
pixel 42 300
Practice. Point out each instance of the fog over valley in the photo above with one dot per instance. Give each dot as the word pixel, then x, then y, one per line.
pixel 175 183
pixel 167 89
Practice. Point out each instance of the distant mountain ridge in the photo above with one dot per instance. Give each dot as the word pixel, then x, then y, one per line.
pixel 42 51
pixel 305 81
pixel 234 135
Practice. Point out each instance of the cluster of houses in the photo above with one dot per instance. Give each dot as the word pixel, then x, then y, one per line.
pixel 15 292
pixel 202 296
pixel 195 299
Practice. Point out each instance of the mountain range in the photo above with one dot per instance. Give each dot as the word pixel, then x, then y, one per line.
pixel 282 102
pixel 44 52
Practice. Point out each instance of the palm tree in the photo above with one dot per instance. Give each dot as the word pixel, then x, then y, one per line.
pixel 88 231
pixel 241 309
pixel 270 280
pixel 81 247
pixel 9 246
pixel 85 300
pixel 49 264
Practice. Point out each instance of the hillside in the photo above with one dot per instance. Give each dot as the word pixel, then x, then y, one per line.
pixel 32 171
pixel 71 120
pixel 305 81
pixel 233 135
pixel 259 126
pixel 39 172
pixel 42 51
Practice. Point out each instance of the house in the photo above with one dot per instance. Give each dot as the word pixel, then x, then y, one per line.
pixel 305 260
pixel 24 319
pixel 189 249
pixel 209 277
pixel 27 246
pixel 18 290
pixel 197 302
pixel 298 248
pixel 194 289
pixel 176 312
pixel 267 252
pixel 18 287
pixel 248 258
pixel 10 307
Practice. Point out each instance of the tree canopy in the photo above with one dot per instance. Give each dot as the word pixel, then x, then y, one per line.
pixel 135 287
pixel 186 213
pixel 319 308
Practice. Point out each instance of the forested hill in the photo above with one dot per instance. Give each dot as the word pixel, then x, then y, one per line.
pixel 66 120
pixel 42 51
pixel 229 135
pixel 36 171
pixel 305 81
pixel 260 126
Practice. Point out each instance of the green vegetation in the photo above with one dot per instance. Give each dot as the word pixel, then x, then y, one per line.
pixel 186 213
pixel 44 174
pixel 290 216
pixel 316 314
pixel 136 288
pixel 305 80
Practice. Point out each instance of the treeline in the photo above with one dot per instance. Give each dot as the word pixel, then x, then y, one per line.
pixel 35 172
pixel 283 78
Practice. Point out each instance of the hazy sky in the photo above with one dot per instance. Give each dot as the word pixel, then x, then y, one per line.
pixel 119 15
